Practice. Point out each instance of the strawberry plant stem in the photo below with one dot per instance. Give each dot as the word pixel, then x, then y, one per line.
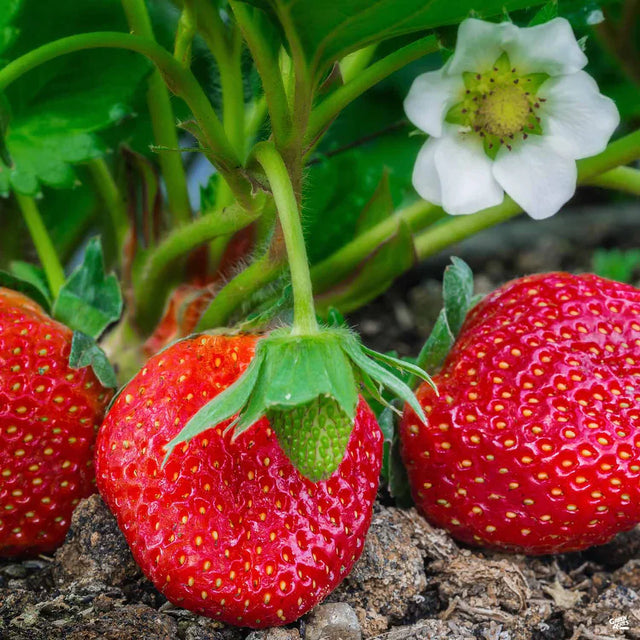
pixel 113 201
pixel 162 120
pixel 624 179
pixel 266 61
pixel 42 242
pixel 257 275
pixel 330 107
pixel 304 315
pixel 180 80
pixel 149 289
pixel 185 32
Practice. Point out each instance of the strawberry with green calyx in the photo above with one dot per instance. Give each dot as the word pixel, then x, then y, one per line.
pixel 53 404
pixel 532 444
pixel 306 386
pixel 304 373
pixel 228 527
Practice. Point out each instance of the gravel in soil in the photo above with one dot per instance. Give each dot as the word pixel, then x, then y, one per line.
pixel 413 581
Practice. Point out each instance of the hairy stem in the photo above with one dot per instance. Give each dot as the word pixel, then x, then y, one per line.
pixel 162 120
pixel 304 315
pixel 178 244
pixel 42 242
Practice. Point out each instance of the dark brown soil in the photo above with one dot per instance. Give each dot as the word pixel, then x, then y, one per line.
pixel 412 581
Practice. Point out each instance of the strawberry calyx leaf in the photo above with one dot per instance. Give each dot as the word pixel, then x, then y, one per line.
pixel 26 282
pixel 458 298
pixel 89 301
pixel 85 352
pixel 307 385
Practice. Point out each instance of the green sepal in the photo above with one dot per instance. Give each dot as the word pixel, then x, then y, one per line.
pixel 85 352
pixel 383 377
pixel 89 301
pixel 403 365
pixel 457 291
pixel 26 286
pixel 222 407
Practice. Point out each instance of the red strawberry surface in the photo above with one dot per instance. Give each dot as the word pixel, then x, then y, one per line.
pixel 533 444
pixel 49 415
pixel 229 529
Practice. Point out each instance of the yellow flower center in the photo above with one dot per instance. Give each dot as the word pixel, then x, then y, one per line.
pixel 503 111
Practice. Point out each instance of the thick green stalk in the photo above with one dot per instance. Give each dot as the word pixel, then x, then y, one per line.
pixel 304 315
pixel 330 107
pixel 624 179
pixel 185 33
pixel 162 120
pixel 176 245
pixel 268 68
pixel 257 275
pixel 180 80
pixel 114 202
pixel 42 242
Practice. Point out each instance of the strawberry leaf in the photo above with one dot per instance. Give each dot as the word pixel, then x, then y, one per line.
pixel 89 301
pixel 56 109
pixel 457 291
pixel 85 352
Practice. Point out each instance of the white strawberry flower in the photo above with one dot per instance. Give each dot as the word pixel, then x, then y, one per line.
pixel 511 111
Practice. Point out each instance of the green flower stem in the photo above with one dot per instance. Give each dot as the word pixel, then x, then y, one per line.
pixel 42 242
pixel 621 179
pixel 162 120
pixel 175 246
pixel 185 33
pixel 338 265
pixel 266 61
pixel 180 80
pixel 330 107
pixel 304 315
pixel 113 200
pixel 226 47
pixel 257 275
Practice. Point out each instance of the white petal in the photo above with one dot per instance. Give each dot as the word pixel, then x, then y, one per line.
pixel 536 177
pixel 479 44
pixel 430 97
pixel 465 175
pixel 546 48
pixel 577 118
pixel 425 177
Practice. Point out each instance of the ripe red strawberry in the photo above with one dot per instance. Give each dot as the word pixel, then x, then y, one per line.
pixel 49 415
pixel 533 444
pixel 229 528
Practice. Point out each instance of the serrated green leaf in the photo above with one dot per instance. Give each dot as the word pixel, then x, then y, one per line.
pixel 58 107
pixel 85 352
pixel 12 281
pixel 89 300
pixel 457 291
pixel 222 407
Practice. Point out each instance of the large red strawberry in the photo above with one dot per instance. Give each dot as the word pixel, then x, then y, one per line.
pixel 49 415
pixel 229 528
pixel 533 443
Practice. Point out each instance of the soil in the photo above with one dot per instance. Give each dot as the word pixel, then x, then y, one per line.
pixel 413 581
